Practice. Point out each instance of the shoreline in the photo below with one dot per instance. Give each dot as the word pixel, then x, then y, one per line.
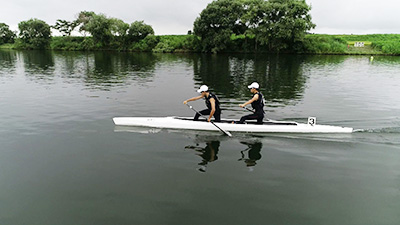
pixel 314 44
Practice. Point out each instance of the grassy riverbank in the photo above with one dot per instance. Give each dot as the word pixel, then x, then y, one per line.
pixel 375 44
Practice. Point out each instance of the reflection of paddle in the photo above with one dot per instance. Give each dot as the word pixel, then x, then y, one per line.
pixel 223 131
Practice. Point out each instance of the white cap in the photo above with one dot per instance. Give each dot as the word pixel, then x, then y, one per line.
pixel 202 88
pixel 254 85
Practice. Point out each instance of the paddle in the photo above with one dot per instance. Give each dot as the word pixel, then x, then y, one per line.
pixel 223 131
pixel 248 109
pixel 253 111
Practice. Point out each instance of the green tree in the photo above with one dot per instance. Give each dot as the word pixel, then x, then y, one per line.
pixel 83 19
pixel 119 30
pixel 284 24
pixel 253 17
pixel 119 27
pixel 138 30
pixel 65 27
pixel 100 27
pixel 6 35
pixel 217 22
pixel 34 34
pixel 278 24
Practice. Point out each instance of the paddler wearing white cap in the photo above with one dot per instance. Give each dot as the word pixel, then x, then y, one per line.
pixel 212 103
pixel 257 102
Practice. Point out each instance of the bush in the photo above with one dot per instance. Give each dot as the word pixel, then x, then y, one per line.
pixel 171 43
pixel 35 34
pixel 164 47
pixel 324 44
pixel 391 47
pixel 72 43
pixel 6 35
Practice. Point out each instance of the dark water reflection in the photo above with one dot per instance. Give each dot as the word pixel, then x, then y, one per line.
pixel 208 151
pixel 253 154
pixel 8 61
pixel 39 63
pixel 281 78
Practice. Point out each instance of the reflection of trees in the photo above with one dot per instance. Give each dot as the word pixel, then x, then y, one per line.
pixel 111 69
pixel 281 77
pixel 39 63
pixel 8 60
pixel 104 70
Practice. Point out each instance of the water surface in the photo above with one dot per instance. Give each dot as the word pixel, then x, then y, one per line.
pixel 62 160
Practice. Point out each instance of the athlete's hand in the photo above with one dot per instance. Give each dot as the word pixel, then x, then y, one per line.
pixel 209 120
pixel 242 105
pixel 185 102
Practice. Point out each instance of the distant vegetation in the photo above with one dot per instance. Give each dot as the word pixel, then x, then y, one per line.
pixel 244 26
pixel 6 35
pixel 388 44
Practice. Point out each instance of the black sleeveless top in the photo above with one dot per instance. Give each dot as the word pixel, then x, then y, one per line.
pixel 208 103
pixel 258 105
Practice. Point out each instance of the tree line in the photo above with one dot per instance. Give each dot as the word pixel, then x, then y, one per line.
pixel 105 31
pixel 223 26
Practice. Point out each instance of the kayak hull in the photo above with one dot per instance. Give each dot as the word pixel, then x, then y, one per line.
pixel 227 125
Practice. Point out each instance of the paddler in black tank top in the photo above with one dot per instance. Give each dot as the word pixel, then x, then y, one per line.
pixel 257 102
pixel 212 104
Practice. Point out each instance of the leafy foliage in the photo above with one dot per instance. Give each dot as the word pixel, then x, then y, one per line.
pixel 217 22
pixel 279 24
pixel 285 24
pixel 100 27
pixel 65 27
pixel 145 45
pixel 35 34
pixel 138 30
pixel 6 35
pixel 72 43
pixel 324 44
pixel 83 19
pixel 223 26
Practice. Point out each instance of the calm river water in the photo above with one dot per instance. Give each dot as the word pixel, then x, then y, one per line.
pixel 62 160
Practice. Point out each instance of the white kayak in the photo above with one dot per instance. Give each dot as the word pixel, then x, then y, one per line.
pixel 270 126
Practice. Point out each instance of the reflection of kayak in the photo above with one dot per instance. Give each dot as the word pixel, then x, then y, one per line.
pixel 267 127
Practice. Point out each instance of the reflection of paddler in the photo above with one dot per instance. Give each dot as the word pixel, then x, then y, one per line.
pixel 208 153
pixel 254 154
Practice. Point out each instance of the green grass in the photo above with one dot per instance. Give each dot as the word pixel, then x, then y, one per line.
pixel 384 44
pixel 177 43
pixel 374 44
pixel 7 46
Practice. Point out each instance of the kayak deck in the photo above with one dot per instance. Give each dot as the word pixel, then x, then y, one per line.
pixel 270 126
pixel 269 122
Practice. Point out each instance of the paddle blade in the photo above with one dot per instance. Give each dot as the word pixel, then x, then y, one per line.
pixel 228 133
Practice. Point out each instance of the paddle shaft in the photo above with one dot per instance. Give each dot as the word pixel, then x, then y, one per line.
pixel 223 131
pixel 253 112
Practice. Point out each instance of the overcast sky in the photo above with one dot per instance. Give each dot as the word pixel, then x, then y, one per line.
pixel 177 16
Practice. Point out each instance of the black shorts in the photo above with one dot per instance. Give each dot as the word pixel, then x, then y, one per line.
pixel 217 114
pixel 256 116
